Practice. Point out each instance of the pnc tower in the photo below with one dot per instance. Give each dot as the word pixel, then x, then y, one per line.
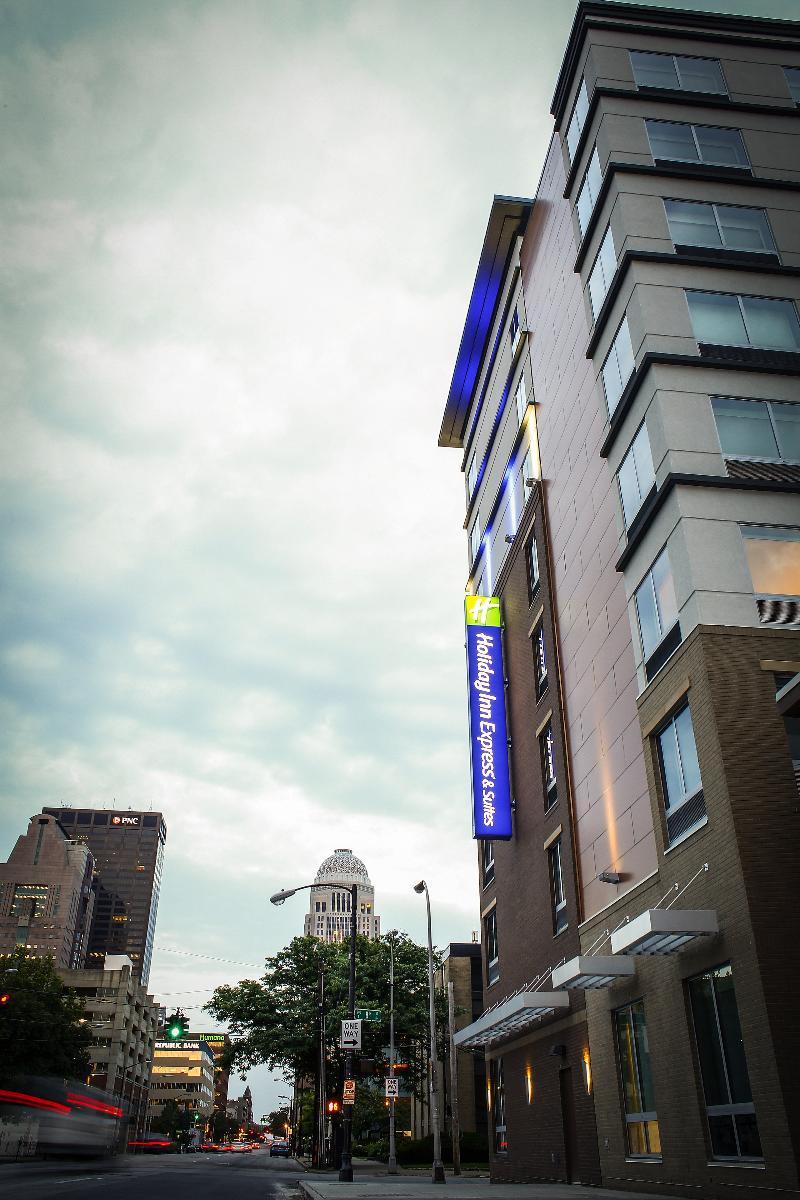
pixel 128 850
pixel 328 916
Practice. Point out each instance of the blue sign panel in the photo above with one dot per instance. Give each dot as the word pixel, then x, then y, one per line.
pixel 491 783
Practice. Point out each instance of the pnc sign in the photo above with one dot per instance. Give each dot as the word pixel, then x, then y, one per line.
pixel 125 820
pixel 491 781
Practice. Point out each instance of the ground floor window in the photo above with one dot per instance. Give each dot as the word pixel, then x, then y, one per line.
pixel 732 1125
pixel 499 1107
pixel 641 1119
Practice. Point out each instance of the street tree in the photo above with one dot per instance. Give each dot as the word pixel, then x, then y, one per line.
pixel 275 1019
pixel 43 1030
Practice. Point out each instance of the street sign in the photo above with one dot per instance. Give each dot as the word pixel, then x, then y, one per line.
pixel 351 1035
pixel 349 1092
pixel 392 1088
pixel 369 1014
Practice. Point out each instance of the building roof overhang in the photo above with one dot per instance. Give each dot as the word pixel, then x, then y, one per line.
pixel 664 930
pixel 593 971
pixel 788 698
pixel 507 219
pixel 510 1019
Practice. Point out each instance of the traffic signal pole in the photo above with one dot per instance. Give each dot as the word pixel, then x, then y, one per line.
pixel 392 1146
pixel 346 1168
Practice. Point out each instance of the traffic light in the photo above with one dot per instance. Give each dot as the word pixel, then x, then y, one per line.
pixel 5 999
pixel 177 1026
pixel 334 1106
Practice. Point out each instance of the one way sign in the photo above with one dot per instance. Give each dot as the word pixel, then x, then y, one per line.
pixel 351 1035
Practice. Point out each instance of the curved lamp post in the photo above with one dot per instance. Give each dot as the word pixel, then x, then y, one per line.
pixel 346 1168
pixel 438 1168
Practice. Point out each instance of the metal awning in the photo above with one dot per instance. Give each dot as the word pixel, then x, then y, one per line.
pixel 593 971
pixel 664 930
pixel 510 1018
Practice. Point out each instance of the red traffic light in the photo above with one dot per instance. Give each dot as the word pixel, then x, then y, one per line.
pixel 5 998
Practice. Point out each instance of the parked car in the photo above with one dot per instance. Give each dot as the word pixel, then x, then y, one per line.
pixel 280 1148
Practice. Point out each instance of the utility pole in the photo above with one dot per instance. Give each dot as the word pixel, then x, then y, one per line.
pixel 346 1169
pixel 392 1147
pixel 455 1123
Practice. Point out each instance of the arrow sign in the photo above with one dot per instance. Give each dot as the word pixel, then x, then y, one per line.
pixel 392 1088
pixel 369 1014
pixel 351 1035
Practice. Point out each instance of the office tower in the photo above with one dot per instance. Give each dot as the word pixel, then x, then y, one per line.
pixel 183 1071
pixel 632 347
pixel 328 916
pixel 128 849
pixel 46 897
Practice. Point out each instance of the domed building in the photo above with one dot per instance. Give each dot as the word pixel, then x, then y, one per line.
pixel 328 916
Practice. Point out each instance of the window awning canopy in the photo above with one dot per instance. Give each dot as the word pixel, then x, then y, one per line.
pixel 510 1018
pixel 593 971
pixel 664 930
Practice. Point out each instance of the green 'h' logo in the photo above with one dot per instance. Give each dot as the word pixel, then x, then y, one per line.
pixel 482 610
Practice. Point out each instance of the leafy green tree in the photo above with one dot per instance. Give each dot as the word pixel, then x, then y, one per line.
pixel 168 1120
pixel 277 1121
pixel 274 1020
pixel 42 1024
pixel 223 1127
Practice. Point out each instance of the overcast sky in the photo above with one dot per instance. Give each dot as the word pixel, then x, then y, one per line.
pixel 238 244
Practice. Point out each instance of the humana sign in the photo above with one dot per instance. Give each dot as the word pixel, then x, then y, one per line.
pixel 491 784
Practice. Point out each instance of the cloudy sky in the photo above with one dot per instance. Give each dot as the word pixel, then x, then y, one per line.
pixel 238 242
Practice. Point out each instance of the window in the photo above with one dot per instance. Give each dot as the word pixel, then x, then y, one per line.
pixel 732 1125
pixel 757 428
pixel 677 72
pixel 636 477
pixel 793 79
pixel 719 319
pixel 773 556
pixel 641 1119
pixel 547 752
pixel 707 144
pixel 499 1106
pixel 557 896
pixel 533 566
pixel 475 539
pixel 618 367
pixel 680 775
pixel 514 331
pixel 487 861
pixel 577 120
pixel 719 226
pixel 29 899
pixel 602 272
pixel 521 397
pixel 539 660
pixel 590 190
pixel 492 956
pixel 472 475
pixel 658 615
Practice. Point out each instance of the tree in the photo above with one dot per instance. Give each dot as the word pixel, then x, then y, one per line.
pixel 223 1127
pixel 275 1020
pixel 42 1025
pixel 277 1121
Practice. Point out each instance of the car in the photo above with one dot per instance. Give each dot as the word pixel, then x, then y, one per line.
pixel 240 1148
pixel 280 1148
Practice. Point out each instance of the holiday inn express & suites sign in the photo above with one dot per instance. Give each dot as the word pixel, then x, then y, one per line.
pixel 491 784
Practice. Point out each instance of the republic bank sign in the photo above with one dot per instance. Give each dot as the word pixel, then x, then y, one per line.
pixel 491 783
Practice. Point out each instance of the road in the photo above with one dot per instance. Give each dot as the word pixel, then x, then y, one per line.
pixel 253 1176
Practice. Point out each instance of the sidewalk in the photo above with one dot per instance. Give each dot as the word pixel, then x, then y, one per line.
pixel 381 1186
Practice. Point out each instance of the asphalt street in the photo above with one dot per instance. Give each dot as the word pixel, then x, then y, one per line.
pixel 149 1177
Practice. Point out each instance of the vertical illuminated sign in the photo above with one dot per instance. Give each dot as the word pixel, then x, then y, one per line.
pixel 491 784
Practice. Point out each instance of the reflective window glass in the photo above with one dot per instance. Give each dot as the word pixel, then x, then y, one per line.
pixel 654 70
pixel 744 427
pixel 677 72
pixel 633 1049
pixel 590 190
pixel 636 476
pixel 700 74
pixel 692 224
pixel 771 324
pixel 578 120
pixel 655 604
pixel 672 140
pixel 602 272
pixel 717 319
pixel 721 147
pixel 773 556
pixel 787 427
pixel 793 79
pixel 618 367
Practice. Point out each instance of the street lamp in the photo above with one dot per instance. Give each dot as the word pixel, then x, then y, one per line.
pixel 346 1168
pixel 438 1168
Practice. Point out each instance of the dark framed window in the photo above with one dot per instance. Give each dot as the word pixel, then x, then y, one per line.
pixel 487 862
pixel 547 752
pixel 731 1114
pixel 557 896
pixel 678 72
pixel 498 1084
pixel 719 226
pixel 709 145
pixel 773 556
pixel 492 950
pixel 684 803
pixel 793 79
pixel 758 429
pixel 641 1119
pixel 577 120
pixel 657 611
pixel 724 319
pixel 539 660
pixel 533 566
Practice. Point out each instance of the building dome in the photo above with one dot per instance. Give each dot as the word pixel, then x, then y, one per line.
pixel 342 867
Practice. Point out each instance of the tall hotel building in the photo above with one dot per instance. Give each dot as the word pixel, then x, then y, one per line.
pixel 626 400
